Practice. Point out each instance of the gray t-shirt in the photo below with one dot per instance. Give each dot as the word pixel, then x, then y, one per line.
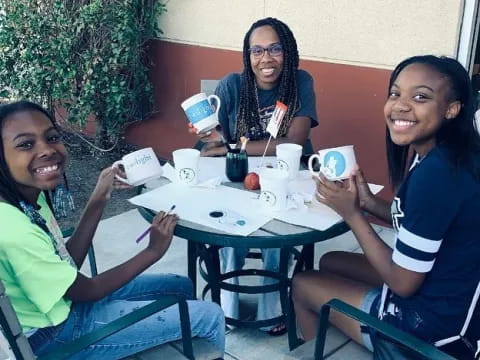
pixel 228 90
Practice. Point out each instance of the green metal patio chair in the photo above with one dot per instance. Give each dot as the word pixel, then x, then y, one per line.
pixel 418 347
pixel 20 346
pixel 91 252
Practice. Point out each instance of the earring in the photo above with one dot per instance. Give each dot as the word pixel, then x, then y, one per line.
pixel 61 199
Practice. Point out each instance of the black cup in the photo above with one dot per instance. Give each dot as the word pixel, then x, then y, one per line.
pixel 237 165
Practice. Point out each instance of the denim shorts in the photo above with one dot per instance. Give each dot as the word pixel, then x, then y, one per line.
pixel 370 304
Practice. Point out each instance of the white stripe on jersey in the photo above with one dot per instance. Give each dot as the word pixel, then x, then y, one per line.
pixel 418 242
pixel 411 264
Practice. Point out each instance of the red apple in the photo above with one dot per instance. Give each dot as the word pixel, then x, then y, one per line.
pixel 252 181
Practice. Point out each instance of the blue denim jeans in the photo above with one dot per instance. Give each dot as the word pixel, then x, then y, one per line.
pixel 268 303
pixel 206 319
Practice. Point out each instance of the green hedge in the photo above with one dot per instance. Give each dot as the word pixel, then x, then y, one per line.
pixel 87 56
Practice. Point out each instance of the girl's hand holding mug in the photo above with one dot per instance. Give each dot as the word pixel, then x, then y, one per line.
pixel 341 197
pixel 207 136
pixel 106 183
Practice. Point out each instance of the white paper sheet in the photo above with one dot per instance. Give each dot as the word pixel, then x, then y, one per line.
pixel 241 211
pixel 316 215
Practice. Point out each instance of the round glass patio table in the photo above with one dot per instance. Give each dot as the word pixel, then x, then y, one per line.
pixel 204 243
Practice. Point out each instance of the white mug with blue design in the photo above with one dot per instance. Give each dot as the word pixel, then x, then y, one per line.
pixel 335 163
pixel 200 113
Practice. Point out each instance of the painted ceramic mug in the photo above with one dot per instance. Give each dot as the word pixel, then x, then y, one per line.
pixel 200 113
pixel 140 166
pixel 335 163
pixel 186 165
pixel 273 188
pixel 288 158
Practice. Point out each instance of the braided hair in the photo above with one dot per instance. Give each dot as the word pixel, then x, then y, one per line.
pixel 248 116
pixel 9 190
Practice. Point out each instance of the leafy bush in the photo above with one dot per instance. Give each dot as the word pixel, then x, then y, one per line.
pixel 88 57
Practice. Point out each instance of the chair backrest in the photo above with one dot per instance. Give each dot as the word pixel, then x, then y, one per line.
pixel 91 252
pixel 208 86
pixel 12 329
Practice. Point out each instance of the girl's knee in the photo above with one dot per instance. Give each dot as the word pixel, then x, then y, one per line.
pixel 330 260
pixel 186 285
pixel 208 309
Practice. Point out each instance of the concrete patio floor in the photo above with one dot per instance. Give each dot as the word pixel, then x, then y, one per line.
pixel 115 242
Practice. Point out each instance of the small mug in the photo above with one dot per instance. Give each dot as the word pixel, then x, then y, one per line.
pixel 198 109
pixel 236 167
pixel 335 163
pixel 140 166
pixel 288 158
pixel 186 165
pixel 273 188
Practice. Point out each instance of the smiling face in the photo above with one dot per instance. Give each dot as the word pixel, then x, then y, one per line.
pixel 34 152
pixel 418 106
pixel 266 68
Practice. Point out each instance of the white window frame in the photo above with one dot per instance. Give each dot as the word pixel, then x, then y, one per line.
pixel 468 34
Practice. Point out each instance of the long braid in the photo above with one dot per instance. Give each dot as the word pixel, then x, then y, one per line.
pixel 248 116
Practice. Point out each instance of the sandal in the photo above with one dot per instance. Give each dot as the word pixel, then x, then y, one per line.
pixel 278 330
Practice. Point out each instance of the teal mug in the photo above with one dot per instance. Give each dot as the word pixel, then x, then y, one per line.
pixel 236 165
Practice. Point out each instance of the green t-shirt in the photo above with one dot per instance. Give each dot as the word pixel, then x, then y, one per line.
pixel 36 271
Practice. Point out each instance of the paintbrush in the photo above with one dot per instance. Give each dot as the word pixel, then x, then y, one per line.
pixel 146 232
pixel 244 141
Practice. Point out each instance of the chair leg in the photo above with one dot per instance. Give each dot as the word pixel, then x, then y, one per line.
pixel 293 340
pixel 322 332
pixel 186 330
pixel 92 261
pixel 192 254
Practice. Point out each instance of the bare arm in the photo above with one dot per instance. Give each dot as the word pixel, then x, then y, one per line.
pixel 380 208
pixel 345 202
pixel 91 289
pixel 297 133
pixel 81 240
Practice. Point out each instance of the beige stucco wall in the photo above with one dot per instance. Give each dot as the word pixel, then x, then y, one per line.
pixel 376 33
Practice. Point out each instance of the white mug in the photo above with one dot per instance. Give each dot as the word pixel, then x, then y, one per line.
pixel 288 158
pixel 273 188
pixel 198 109
pixel 186 165
pixel 335 163
pixel 140 166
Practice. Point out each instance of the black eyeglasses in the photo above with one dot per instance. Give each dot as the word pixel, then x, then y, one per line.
pixel 273 50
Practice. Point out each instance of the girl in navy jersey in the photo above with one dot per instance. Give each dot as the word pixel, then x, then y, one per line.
pixel 428 282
